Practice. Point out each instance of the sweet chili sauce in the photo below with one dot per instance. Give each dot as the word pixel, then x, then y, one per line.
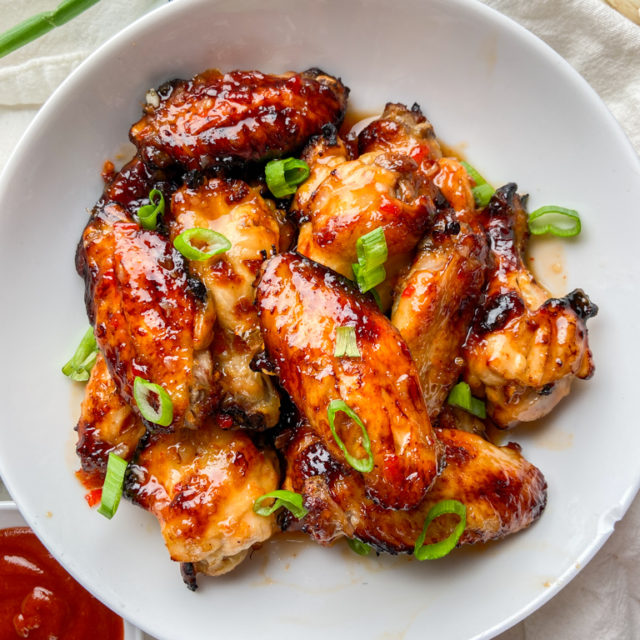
pixel 39 600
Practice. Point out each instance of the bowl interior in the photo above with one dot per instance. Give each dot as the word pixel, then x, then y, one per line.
pixel 519 113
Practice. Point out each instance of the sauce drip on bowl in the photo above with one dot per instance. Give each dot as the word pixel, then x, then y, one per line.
pixel 39 600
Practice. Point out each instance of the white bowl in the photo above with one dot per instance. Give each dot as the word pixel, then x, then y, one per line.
pixel 520 113
pixel 10 517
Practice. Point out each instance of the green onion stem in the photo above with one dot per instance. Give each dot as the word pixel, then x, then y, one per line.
pixel 440 549
pixel 364 465
pixel 282 498
pixel 359 547
pixel 82 361
pixel 36 26
pixel 346 344
pixel 482 192
pixel 460 396
pixel 112 487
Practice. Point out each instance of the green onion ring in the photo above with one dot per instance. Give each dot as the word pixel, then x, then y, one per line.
pixel 82 361
pixel 216 243
pixel 555 215
pixel 364 465
pixel 346 344
pixel 112 487
pixel 460 396
pixel 283 176
pixel 163 415
pixel 482 192
pixel 287 499
pixel 372 249
pixel 148 214
pixel 359 547
pixel 440 549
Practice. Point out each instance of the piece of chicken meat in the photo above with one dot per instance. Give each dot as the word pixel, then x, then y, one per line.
pixel 385 186
pixel 141 302
pixel 224 118
pixel 237 211
pixel 301 304
pixel 525 348
pixel 502 493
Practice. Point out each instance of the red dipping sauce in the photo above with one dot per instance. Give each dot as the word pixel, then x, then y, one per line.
pixel 39 600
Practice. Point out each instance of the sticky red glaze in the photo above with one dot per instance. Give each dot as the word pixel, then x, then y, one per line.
pixel 39 600
pixel 242 115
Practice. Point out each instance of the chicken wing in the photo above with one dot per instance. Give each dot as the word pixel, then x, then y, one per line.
pixel 525 347
pixel 201 486
pixel 502 492
pixel 238 212
pixel 436 301
pixel 384 187
pixel 142 304
pixel 217 118
pixel 107 424
pixel 301 304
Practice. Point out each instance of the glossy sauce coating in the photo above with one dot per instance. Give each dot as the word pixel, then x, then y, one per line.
pixel 526 347
pixel 503 493
pixel 237 211
pixel 217 118
pixel 39 600
pixel 301 304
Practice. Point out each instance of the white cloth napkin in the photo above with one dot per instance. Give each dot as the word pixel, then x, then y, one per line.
pixel 603 602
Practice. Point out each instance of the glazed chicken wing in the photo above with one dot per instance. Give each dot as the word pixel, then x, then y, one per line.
pixel 201 486
pixel 107 424
pixel 435 303
pixel 502 492
pixel 217 118
pixel 525 348
pixel 238 212
pixel 140 301
pixel 301 304
pixel 384 187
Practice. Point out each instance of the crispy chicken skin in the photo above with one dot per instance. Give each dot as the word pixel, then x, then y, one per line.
pixel 238 212
pixel 301 304
pixel 140 302
pixel 107 424
pixel 219 118
pixel 525 347
pixel 201 486
pixel 436 301
pixel 384 187
pixel 503 493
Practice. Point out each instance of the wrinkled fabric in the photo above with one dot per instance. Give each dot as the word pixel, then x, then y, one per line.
pixel 603 602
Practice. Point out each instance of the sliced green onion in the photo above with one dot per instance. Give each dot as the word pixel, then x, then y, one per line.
pixel 148 214
pixel 440 549
pixel 364 465
pixel 82 361
pixel 372 249
pixel 284 176
pixel 212 242
pixel 367 280
pixel 36 26
pixel 112 487
pixel 555 220
pixel 361 548
pixel 163 414
pixel 346 344
pixel 372 253
pixel 482 192
pixel 282 498
pixel 460 396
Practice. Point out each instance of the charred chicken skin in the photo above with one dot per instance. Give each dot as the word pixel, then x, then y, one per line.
pixel 502 492
pixel 201 486
pixel 223 118
pixel 526 347
pixel 239 213
pixel 141 303
pixel 384 187
pixel 301 304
